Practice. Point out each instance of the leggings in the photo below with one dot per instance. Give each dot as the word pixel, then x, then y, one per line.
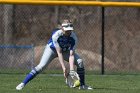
pixel 50 54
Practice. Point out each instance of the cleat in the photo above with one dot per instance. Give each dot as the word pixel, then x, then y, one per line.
pixel 85 87
pixel 20 86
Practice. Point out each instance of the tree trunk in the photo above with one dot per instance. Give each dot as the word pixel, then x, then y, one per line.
pixel 56 17
pixel 8 24
pixel 8 28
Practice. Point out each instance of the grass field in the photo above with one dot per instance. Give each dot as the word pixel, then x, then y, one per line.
pixel 44 83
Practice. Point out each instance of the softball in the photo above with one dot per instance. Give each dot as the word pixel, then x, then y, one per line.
pixel 77 83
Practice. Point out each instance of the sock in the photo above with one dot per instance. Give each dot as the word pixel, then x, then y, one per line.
pixel 81 73
pixel 30 76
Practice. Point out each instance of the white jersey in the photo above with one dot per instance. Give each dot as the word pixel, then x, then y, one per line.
pixel 64 42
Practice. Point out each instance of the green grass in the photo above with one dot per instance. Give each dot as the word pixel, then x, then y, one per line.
pixel 45 83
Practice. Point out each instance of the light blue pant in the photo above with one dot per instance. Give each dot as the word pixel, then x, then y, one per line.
pixel 49 55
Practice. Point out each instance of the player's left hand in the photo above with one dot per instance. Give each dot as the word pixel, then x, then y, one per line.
pixel 72 73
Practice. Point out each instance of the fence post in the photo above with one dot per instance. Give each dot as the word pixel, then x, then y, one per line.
pixel 102 40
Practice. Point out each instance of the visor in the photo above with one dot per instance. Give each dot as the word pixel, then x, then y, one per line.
pixel 67 26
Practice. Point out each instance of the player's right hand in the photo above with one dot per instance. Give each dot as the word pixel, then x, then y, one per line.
pixel 65 73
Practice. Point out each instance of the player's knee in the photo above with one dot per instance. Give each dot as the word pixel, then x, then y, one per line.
pixel 39 68
pixel 80 63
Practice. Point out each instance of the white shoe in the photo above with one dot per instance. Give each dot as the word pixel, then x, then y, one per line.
pixel 20 86
pixel 85 87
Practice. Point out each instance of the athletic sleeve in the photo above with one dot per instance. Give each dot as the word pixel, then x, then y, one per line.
pixel 55 39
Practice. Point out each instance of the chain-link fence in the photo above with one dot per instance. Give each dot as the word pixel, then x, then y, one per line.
pixel 122 39
pixel 33 24
pixel 16 59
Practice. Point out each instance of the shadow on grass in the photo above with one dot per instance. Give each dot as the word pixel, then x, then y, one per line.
pixel 113 89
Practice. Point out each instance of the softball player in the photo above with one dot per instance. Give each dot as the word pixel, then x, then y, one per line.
pixel 62 44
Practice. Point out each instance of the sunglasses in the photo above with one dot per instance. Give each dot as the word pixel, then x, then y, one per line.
pixel 67 25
